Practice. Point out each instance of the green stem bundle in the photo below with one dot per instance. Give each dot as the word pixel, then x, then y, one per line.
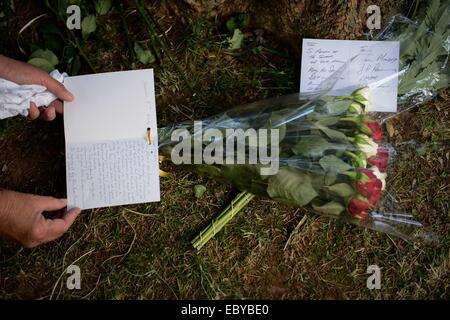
pixel 241 200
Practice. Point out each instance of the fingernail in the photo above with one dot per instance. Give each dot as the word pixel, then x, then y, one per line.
pixel 69 96
pixel 75 211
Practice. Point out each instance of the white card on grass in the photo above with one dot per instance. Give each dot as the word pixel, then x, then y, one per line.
pixel 375 65
pixel 108 159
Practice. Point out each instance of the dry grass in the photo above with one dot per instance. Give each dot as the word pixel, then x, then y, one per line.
pixel 269 250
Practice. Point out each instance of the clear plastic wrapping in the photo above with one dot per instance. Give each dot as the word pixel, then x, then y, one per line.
pixel 331 155
pixel 424 54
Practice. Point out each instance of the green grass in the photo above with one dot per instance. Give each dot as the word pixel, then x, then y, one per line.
pixel 267 251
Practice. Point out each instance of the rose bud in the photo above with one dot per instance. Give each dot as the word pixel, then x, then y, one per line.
pixel 375 130
pixel 380 160
pixel 367 188
pixel 355 108
pixel 364 96
pixel 375 197
pixel 366 145
pixel 380 176
pixel 358 206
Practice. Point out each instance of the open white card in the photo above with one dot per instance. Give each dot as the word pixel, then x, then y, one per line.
pixel 375 65
pixel 109 161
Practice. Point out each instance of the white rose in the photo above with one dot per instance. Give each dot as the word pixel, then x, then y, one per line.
pixel 356 107
pixel 380 176
pixel 366 145
pixel 364 96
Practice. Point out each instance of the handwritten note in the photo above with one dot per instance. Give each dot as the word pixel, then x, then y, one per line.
pixel 108 159
pixel 373 64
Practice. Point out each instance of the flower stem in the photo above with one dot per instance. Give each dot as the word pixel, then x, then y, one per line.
pixel 238 203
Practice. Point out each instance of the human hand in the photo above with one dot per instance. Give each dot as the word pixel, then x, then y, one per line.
pixel 24 73
pixel 21 218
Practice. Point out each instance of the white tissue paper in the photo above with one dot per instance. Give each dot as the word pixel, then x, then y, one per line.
pixel 15 99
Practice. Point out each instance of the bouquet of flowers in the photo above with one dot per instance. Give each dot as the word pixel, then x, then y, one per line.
pixel 327 152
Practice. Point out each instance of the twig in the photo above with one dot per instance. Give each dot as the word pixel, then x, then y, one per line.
pixel 302 221
pixel 139 213
pixel 24 28
pixel 62 273
pixel 93 290
pixel 129 248
pixel 64 260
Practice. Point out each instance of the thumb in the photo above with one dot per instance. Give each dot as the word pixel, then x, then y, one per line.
pixel 57 88
pixel 70 216
pixel 51 204
pixel 58 227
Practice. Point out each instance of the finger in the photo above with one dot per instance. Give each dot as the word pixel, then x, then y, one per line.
pixel 51 204
pixel 57 227
pixel 57 104
pixel 24 73
pixel 57 88
pixel 48 114
pixel 33 112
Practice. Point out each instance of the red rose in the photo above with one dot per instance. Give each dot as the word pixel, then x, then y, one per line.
pixel 380 160
pixel 375 197
pixel 367 188
pixel 383 152
pixel 375 128
pixel 358 208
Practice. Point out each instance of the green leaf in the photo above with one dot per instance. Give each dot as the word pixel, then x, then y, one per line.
pixel 359 98
pixel 88 25
pixel 199 190
pixel 41 63
pixel 276 122
pixel 62 6
pixel 46 55
pixel 236 40
pixel 209 170
pixel 332 163
pixel 327 121
pixel 323 180
pixel 332 207
pixel 239 22
pixel 343 190
pixel 144 56
pixel 244 177
pixel 329 178
pixel 311 146
pixel 102 6
pixel 334 135
pixel 292 186
pixel 335 107
pixel 232 24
